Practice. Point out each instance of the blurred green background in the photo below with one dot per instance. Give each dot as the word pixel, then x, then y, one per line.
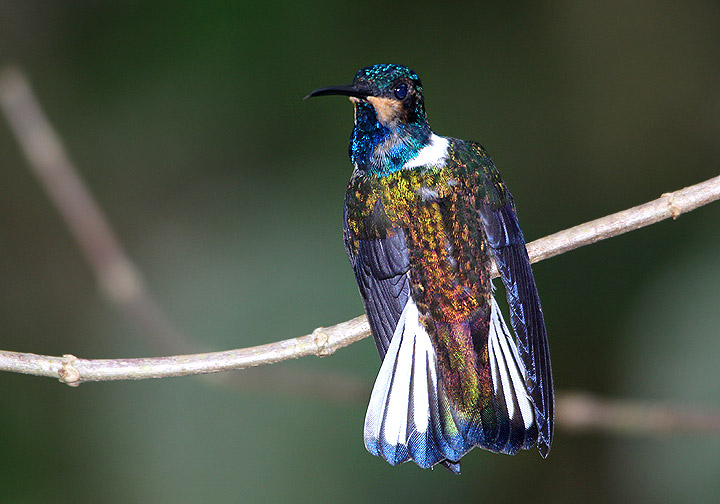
pixel 187 121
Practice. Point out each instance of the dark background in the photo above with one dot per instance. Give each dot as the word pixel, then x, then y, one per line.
pixel 186 119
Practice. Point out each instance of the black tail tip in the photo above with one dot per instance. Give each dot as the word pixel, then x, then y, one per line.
pixel 544 449
pixel 453 467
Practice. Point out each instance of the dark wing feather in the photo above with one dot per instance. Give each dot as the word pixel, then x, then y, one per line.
pixel 507 244
pixel 381 267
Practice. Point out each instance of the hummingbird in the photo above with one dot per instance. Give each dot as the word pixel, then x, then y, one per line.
pixel 425 217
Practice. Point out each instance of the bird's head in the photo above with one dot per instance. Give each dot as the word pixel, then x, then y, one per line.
pixel 390 121
pixel 392 93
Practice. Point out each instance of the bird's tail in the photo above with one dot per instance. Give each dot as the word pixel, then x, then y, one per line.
pixel 412 415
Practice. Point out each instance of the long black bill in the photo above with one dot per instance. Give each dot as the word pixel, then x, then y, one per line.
pixel 350 90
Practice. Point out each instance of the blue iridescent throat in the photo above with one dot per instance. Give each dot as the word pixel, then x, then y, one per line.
pixel 379 150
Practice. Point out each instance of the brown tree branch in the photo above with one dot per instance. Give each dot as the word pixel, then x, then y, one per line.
pixel 326 340
pixel 578 411
pixel 73 371
pixel 668 205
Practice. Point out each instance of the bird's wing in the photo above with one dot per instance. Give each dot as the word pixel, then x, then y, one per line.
pixel 381 267
pixel 507 244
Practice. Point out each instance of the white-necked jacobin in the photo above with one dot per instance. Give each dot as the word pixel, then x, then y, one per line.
pixel 425 217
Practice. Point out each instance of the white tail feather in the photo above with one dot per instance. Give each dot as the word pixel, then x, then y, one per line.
pixel 402 381
pixel 507 369
pixel 401 423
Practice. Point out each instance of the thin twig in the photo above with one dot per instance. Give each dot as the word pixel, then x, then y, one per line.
pixel 584 412
pixel 117 277
pixel 666 206
pixel 326 340
pixel 73 371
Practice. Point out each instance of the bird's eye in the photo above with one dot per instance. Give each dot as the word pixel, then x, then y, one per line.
pixel 401 91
